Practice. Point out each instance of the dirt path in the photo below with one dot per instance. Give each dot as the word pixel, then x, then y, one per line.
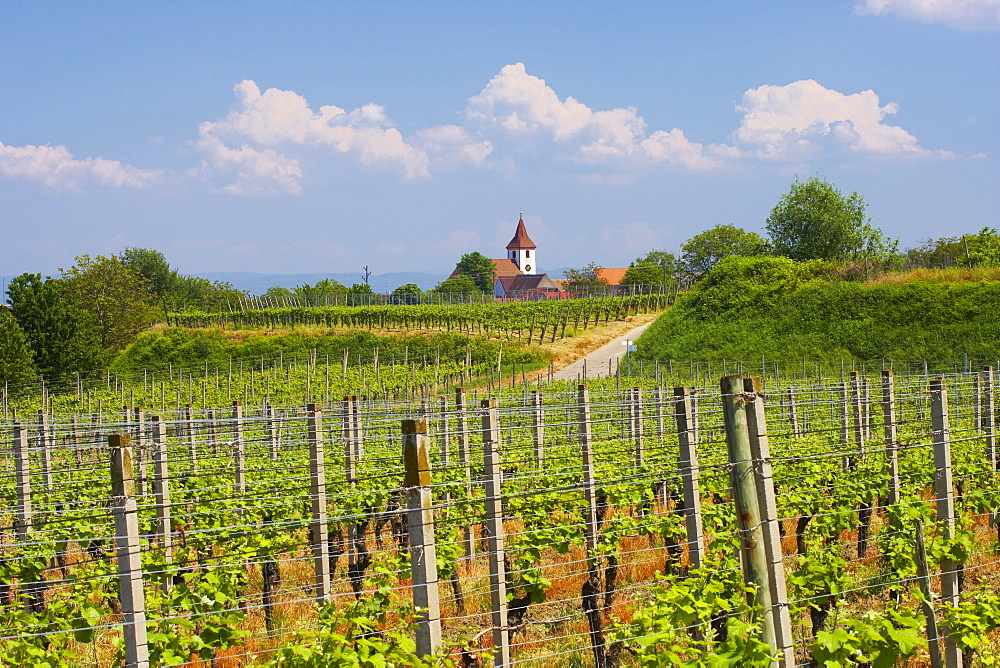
pixel 604 360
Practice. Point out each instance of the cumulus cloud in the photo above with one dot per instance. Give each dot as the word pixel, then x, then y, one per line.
pixel 454 144
pixel 56 167
pixel 517 105
pixel 959 14
pixel 804 120
pixel 261 124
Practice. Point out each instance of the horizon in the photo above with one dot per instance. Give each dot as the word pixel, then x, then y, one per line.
pixel 312 139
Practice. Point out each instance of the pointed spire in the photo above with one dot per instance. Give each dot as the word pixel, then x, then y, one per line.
pixel 521 239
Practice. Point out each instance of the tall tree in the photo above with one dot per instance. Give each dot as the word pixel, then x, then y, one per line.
pixel 62 335
pixel 17 367
pixel 585 279
pixel 479 268
pixel 702 251
pixel 115 294
pixel 970 250
pixel 152 266
pixel 458 284
pixel 814 220
pixel 655 268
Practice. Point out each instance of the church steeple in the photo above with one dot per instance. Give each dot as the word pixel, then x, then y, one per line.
pixel 521 249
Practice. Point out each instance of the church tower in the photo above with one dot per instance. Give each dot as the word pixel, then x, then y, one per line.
pixel 521 250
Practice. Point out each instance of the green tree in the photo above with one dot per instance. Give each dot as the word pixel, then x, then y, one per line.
pixel 361 289
pixel 210 295
pixel 814 220
pixel 152 266
pixel 322 288
pixel 458 284
pixel 970 250
pixel 408 293
pixel 117 297
pixel 277 291
pixel 17 368
pixel 61 334
pixel 479 268
pixel 585 279
pixel 702 251
pixel 655 268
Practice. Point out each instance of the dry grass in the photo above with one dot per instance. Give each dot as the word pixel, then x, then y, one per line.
pixel 948 275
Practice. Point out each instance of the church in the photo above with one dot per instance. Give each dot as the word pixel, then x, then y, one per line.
pixel 517 274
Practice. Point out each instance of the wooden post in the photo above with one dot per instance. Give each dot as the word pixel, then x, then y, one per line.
pixel 420 524
pixel 635 417
pixel 945 507
pixel 845 427
pixel 760 450
pixel 793 412
pixel 213 438
pixel 272 433
pixel 927 604
pixel 977 401
pixel 317 489
pixel 658 399
pixel 468 539
pixel 130 585
pixel 538 427
pixel 857 414
pixel 22 468
pixel 444 436
pixel 46 447
pixel 357 434
pixel 494 526
pixel 592 586
pixel 748 514
pixel 989 423
pixel 239 451
pixel 161 488
pixel 891 438
pixel 689 477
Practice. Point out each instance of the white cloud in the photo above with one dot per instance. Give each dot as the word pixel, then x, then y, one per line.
pixel 56 167
pixel 451 143
pixel 960 14
pixel 256 172
pixel 518 105
pixel 263 122
pixel 804 120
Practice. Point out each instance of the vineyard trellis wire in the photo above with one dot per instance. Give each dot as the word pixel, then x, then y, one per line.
pixel 597 562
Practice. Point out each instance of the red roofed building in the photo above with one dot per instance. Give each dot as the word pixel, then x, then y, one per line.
pixel 611 276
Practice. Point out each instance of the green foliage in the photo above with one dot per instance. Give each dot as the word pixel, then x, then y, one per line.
pixel 704 250
pixel 815 221
pixel 479 268
pixel 153 268
pixel 278 291
pixel 16 364
pixel 361 289
pixel 326 286
pixel 971 250
pixel 878 639
pixel 749 307
pixel 116 296
pixel 192 349
pixel 62 335
pixel 655 268
pixel 458 284
pixel 585 279
pixel 407 289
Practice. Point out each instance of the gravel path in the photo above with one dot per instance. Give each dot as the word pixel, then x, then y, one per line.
pixel 603 361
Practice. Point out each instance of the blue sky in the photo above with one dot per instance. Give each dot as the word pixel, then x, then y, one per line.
pixel 321 137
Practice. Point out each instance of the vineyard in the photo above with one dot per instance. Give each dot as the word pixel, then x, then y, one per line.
pixel 524 321
pixel 806 522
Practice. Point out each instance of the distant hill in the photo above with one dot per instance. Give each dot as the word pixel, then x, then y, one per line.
pixel 381 283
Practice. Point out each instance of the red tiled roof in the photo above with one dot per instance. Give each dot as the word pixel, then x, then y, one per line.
pixel 505 267
pixel 521 239
pixel 611 276
pixel 502 267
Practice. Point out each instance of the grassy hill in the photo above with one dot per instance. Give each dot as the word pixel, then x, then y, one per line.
pixel 786 310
